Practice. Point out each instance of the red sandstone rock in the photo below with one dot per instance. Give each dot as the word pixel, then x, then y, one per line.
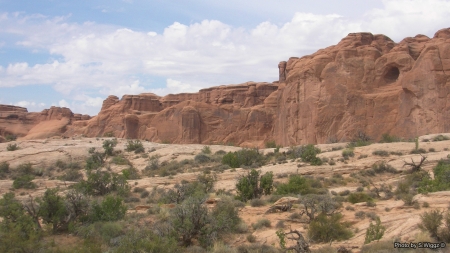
pixel 364 83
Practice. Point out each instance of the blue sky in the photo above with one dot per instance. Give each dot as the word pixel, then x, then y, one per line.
pixel 76 53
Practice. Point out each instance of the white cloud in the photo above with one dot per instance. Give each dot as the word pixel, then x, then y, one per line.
pixel 63 103
pixel 30 105
pixel 104 59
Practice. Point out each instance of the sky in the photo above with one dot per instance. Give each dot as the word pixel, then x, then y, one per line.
pixel 76 53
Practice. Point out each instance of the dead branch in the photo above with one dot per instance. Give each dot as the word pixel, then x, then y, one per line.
pixel 415 167
pixel 301 245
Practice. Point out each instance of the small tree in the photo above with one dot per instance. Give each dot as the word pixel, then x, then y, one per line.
pixel 108 146
pixel 53 210
pixel 374 232
pixel 111 208
pixel 249 186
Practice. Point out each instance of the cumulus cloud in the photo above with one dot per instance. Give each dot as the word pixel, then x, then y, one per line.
pixel 104 59
pixel 30 105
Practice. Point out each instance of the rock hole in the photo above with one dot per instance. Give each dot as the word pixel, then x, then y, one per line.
pixel 392 75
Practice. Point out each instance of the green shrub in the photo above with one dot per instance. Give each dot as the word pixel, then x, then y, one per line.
pixel 135 146
pixel 380 167
pixel 71 175
pixel 120 160
pixel 4 169
pixel 441 180
pixel 108 146
pixel 441 138
pixel 257 202
pixel 206 150
pixel 374 232
pixel 252 186
pixel 380 153
pixel 261 223
pixel 296 185
pixel 347 153
pixel 431 221
pixel 386 138
pixel 309 153
pixel 24 181
pixel 12 147
pixel 100 183
pixel 145 240
pixel 243 157
pixel 359 140
pixel 108 134
pixel 271 144
pixel 357 197
pixel 10 137
pixel 220 152
pixel 131 173
pixel 202 158
pixel 418 151
pixel 327 228
pixel 53 210
pixel 111 208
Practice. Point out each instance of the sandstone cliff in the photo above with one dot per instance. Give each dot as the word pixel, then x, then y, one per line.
pixel 365 83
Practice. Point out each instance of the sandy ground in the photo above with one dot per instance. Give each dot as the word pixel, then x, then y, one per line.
pixel 401 222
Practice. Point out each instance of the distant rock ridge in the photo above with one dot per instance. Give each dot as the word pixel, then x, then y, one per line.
pixel 365 83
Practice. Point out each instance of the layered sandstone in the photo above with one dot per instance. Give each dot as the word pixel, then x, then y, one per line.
pixel 365 83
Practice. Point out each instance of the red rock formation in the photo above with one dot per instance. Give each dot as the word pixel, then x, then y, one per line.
pixel 364 83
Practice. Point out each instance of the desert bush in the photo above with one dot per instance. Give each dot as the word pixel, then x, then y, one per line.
pixel 257 202
pixel 372 215
pixel 135 146
pixel 349 208
pixel 131 173
pixel 153 164
pixel 220 152
pixel 253 185
pixel 386 138
pixel 108 134
pixel 309 154
pixel 296 185
pixel 52 210
pixel 261 223
pixel 380 153
pixel 202 158
pixel 344 193
pixel 108 146
pixel 206 150
pixel 360 215
pixel 280 224
pixel 18 231
pixel 244 157
pixel 360 139
pixel 100 183
pixel 4 169
pixel 10 137
pixel 327 228
pixel 24 181
pixel 431 221
pixel 418 151
pixel 144 194
pixel 441 180
pixel 347 153
pixel 315 204
pixel 357 197
pixel 12 147
pixel 371 204
pixel 337 148
pixel 111 208
pixel 374 232
pixel 441 138
pixel 208 181
pixel 145 240
pixel 380 167
pixel 120 160
pixel 71 175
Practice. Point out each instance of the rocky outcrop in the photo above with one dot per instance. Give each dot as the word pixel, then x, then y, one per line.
pixel 366 83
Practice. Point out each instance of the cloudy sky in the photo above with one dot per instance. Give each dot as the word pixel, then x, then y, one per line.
pixel 76 53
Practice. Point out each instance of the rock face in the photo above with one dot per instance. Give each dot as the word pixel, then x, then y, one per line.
pixel 365 83
pixel 18 121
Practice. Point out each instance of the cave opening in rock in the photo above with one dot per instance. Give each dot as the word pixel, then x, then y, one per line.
pixel 392 75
